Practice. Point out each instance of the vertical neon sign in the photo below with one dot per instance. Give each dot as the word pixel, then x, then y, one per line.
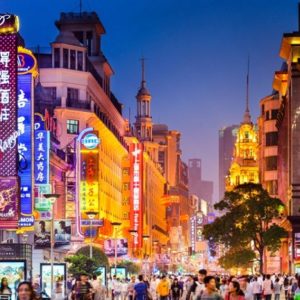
pixel 136 199
pixel 27 69
pixel 9 200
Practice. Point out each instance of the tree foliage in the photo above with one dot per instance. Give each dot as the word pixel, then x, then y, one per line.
pixel 248 218
pixel 237 257
pixel 80 264
pixel 98 255
pixel 132 268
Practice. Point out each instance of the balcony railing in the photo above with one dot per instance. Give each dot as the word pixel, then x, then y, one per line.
pixel 75 103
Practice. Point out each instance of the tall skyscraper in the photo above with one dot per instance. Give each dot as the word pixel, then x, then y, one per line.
pixel 203 189
pixel 227 138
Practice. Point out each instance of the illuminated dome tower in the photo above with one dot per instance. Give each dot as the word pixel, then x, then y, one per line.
pixel 244 166
pixel 143 124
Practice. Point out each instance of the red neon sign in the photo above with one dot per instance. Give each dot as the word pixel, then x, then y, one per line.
pixel 136 199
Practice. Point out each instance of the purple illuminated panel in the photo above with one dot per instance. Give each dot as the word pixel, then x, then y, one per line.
pixel 8 105
pixel 9 204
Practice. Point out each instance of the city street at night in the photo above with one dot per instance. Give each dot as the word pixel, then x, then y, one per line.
pixel 149 150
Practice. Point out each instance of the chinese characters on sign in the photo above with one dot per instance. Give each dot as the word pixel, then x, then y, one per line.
pixel 136 178
pixel 9 199
pixel 41 156
pixel 25 142
pixel 193 233
pixel 89 173
pixel 8 103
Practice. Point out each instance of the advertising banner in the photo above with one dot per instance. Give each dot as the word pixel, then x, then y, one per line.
pixel 42 234
pixel 27 69
pixel 8 96
pixel 9 204
pixel 136 188
pixel 122 247
pixel 41 156
pixel 89 186
pixel 15 272
pixel 25 142
pixel 120 272
pixel 59 274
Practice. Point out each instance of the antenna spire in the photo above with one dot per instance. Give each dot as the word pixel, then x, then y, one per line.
pixel 247 117
pixel 143 71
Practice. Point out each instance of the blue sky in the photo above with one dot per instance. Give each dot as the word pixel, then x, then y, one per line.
pixel 196 53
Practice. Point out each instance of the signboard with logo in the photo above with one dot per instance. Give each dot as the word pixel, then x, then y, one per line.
pixel 136 189
pixel 193 233
pixel 89 173
pixel 27 69
pixel 41 156
pixel 8 95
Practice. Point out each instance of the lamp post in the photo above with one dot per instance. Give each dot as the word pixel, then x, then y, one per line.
pixel 133 232
pixel 52 198
pixel 91 215
pixel 144 254
pixel 115 224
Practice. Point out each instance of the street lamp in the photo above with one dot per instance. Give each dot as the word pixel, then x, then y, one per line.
pixel 91 215
pixel 145 238
pixel 133 232
pixel 52 198
pixel 115 224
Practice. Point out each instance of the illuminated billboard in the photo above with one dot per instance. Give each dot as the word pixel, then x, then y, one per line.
pixel 89 173
pixel 9 204
pixel 9 187
pixel 27 67
pixel 62 234
pixel 8 95
pixel 121 247
pixel 59 275
pixel 136 190
pixel 41 156
pixel 15 272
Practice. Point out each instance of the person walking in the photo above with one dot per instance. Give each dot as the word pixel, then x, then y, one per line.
pixel 277 289
pixel 163 288
pixel 140 289
pixel 210 292
pixel 176 290
pixel 256 288
pixel 25 291
pixel 267 288
pixel 235 292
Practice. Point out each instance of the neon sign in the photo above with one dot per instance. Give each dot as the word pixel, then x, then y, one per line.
pixel 89 173
pixel 8 100
pixel 136 212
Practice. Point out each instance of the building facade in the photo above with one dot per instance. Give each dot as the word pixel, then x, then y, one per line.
pixel 227 139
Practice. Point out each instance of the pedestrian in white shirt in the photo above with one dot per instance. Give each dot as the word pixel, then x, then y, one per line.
pixel 267 288
pixel 256 289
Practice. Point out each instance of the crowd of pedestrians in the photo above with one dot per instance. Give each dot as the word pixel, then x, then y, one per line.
pixel 203 286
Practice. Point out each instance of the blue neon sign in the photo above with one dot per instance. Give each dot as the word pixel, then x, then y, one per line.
pixel 41 156
pixel 25 142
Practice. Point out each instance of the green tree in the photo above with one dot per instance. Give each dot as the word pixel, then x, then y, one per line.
pixel 99 256
pixel 80 264
pixel 132 268
pixel 237 257
pixel 248 219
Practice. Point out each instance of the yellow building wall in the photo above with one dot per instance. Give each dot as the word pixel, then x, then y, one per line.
pixel 244 167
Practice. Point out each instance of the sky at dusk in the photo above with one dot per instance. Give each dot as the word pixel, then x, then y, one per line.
pixel 196 57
